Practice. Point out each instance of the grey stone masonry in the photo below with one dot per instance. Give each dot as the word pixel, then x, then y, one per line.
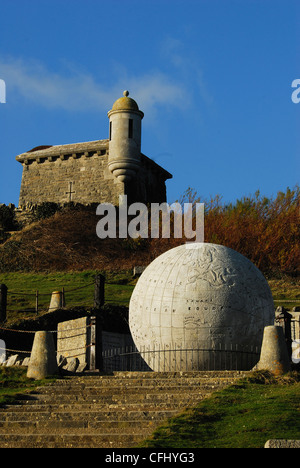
pixel 67 173
pixel 73 339
pixel 79 173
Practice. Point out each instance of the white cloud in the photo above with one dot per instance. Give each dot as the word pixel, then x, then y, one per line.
pixel 81 91
pixel 189 67
pixel 35 83
pixel 157 89
pixel 172 49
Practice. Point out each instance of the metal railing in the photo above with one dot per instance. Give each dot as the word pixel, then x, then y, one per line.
pixel 178 359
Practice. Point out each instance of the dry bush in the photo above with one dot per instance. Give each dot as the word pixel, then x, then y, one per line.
pixel 267 231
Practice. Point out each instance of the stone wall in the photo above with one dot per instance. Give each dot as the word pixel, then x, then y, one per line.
pixel 73 339
pixel 149 185
pixel 54 177
pixel 79 173
pixel 82 340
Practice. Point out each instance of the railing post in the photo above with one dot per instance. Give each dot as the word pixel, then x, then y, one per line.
pixel 285 321
pixel 37 302
pixel 3 302
pixel 63 300
pixel 99 291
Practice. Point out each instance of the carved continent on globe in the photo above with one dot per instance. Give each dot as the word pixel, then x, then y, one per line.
pixel 199 296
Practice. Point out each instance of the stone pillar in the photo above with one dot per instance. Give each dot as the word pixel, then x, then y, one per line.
pixel 274 355
pixel 3 302
pixel 43 357
pixel 57 301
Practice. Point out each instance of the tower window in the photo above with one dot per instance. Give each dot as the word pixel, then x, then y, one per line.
pixel 130 128
pixel 110 129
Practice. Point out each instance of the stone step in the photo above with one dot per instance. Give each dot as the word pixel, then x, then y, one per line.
pixel 46 440
pixel 134 385
pixel 111 426
pixel 98 416
pixel 85 407
pixel 118 391
pixel 121 398
pixel 167 375
pixel 156 378
pixel 103 411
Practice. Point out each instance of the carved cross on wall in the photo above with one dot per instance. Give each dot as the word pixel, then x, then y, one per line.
pixel 70 193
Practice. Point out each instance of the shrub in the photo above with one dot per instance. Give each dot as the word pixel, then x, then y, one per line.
pixel 45 210
pixel 7 218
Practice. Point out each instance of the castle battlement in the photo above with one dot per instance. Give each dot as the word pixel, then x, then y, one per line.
pixel 75 150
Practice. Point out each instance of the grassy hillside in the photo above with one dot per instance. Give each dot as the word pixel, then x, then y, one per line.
pixel 244 415
pixel 13 382
pixel 67 241
pixel 266 231
pixel 78 287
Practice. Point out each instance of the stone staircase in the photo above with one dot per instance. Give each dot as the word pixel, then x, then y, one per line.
pixel 101 411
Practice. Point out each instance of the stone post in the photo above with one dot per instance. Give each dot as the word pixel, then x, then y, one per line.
pixel 43 357
pixel 57 301
pixel 274 355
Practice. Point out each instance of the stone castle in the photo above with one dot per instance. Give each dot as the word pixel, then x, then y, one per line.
pixel 95 171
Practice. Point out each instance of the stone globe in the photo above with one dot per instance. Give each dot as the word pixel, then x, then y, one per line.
pixel 200 306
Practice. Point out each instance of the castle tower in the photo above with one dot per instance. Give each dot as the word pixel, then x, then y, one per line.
pixel 125 125
pixel 96 171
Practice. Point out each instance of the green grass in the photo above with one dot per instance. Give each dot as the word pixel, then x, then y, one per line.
pixel 78 286
pixel 13 381
pixel 244 415
pixel 285 291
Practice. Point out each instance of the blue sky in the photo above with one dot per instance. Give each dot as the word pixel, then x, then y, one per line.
pixel 213 78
